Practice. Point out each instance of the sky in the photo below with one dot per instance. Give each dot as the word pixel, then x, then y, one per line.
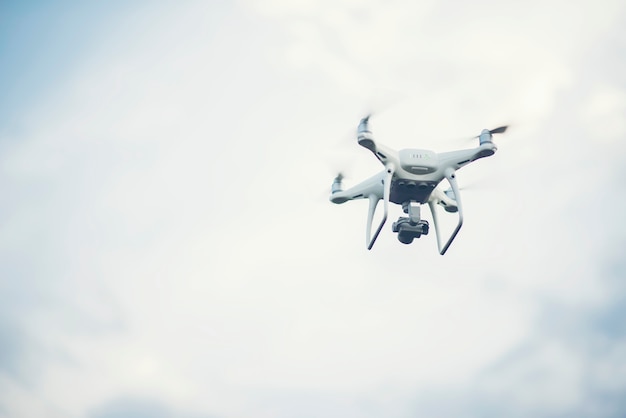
pixel 167 247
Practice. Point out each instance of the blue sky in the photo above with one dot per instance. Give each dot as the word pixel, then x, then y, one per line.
pixel 40 44
pixel 167 247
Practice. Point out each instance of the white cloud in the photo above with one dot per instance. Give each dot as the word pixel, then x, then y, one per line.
pixel 604 114
pixel 175 183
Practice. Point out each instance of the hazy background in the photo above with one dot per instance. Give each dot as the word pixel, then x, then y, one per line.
pixel 167 248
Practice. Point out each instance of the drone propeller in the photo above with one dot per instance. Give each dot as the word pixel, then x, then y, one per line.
pixel 336 187
pixel 381 101
pixel 486 134
pixel 499 130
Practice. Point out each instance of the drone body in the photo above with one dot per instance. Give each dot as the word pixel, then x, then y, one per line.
pixel 411 178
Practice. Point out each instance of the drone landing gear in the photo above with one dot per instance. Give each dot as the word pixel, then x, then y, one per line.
pixel 412 227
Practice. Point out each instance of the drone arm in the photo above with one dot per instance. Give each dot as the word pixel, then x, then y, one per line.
pixel 458 159
pixel 383 153
pixel 365 138
pixel 451 176
pixel 372 186
pixel 374 199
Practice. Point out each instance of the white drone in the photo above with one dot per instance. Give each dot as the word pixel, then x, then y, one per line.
pixel 410 179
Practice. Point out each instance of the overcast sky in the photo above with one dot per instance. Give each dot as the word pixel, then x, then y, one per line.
pixel 167 247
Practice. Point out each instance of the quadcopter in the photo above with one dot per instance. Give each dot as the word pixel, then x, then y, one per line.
pixel 411 178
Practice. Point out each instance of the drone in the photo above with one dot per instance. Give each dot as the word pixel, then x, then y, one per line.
pixel 411 178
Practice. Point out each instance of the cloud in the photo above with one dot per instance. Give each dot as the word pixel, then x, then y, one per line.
pixel 163 231
pixel 139 407
pixel 16 354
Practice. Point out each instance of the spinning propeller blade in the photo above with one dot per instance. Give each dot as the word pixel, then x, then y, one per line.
pixel 499 130
pixel 337 186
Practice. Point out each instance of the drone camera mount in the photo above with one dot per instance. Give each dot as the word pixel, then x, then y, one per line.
pixel 411 227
